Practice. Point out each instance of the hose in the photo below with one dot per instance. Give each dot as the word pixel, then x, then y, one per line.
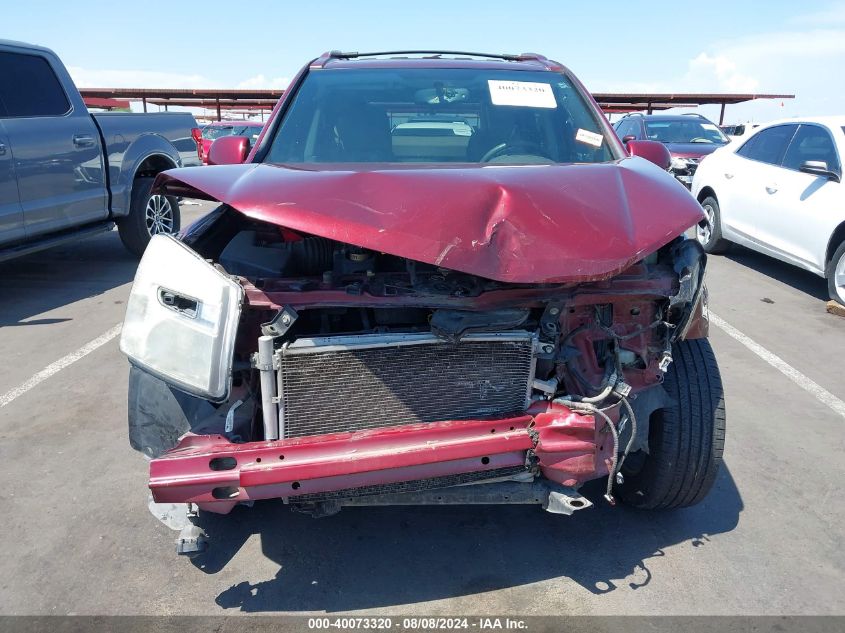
pixel 609 382
pixel 633 418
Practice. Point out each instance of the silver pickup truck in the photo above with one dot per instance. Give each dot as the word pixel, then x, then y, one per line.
pixel 66 173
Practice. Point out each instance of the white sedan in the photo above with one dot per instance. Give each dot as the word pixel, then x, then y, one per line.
pixel 779 191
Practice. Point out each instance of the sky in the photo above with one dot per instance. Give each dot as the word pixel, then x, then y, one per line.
pixel 612 46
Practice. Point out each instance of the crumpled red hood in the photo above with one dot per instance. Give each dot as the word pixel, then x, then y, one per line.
pixel 531 224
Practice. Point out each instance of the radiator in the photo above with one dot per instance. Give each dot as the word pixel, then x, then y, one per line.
pixel 350 383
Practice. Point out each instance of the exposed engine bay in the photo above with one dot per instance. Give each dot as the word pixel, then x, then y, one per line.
pixel 337 342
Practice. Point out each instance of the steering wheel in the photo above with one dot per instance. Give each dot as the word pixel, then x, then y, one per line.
pixel 701 139
pixel 503 149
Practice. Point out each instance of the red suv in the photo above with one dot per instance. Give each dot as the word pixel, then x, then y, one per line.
pixel 688 137
pixel 247 129
pixel 439 278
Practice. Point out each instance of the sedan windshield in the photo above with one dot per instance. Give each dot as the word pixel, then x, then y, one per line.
pixel 439 116
pixel 686 130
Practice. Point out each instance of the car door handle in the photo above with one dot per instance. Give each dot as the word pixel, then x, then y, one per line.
pixel 2 149
pixel 729 176
pixel 83 140
pixel 771 188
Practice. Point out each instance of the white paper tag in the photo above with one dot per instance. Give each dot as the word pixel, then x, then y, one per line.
pixel 521 93
pixel 590 138
pixel 709 126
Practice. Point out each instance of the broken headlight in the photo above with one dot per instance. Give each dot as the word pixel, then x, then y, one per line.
pixel 181 319
pixel 689 261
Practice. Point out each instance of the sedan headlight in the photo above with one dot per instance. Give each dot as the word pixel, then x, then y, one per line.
pixel 679 164
pixel 181 319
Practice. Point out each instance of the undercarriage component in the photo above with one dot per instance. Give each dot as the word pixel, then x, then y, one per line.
pixel 192 539
pixel 552 497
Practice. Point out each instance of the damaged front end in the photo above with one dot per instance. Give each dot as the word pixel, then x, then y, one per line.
pixel 269 362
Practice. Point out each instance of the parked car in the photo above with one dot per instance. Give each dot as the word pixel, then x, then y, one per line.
pixel 688 137
pixel 67 174
pixel 248 129
pixel 733 132
pixel 780 193
pixel 372 316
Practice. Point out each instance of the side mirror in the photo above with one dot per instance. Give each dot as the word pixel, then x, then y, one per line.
pixel 819 168
pixel 652 151
pixel 627 139
pixel 228 150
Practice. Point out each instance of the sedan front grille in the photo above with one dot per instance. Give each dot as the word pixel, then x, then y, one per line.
pixel 352 383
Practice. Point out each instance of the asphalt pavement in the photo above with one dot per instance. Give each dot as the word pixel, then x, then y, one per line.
pixel 78 537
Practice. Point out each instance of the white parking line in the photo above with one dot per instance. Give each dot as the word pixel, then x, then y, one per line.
pixel 813 388
pixel 59 365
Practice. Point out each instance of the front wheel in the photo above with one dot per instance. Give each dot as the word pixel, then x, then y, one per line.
pixel 685 439
pixel 149 214
pixel 835 275
pixel 708 232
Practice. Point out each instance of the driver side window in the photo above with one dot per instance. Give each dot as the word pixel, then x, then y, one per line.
pixel 812 142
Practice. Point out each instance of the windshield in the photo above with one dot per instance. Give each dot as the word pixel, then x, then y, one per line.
pixel 438 116
pixel 687 130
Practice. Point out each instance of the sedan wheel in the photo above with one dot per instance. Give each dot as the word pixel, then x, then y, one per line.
pixel 836 275
pixel 704 229
pixel 708 231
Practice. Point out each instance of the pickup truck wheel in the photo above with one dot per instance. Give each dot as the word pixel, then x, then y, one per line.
pixel 148 215
pixel 685 439
pixel 708 232
pixel 836 275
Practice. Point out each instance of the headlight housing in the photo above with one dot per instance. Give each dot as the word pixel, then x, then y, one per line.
pixel 182 319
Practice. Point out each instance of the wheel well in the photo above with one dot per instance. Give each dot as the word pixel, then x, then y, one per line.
pixel 835 240
pixel 153 165
pixel 705 191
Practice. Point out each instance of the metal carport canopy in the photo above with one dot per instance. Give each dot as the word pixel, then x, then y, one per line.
pixel 613 100
pixel 226 99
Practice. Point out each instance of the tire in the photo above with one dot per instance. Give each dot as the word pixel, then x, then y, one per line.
pixel 835 275
pixel 708 232
pixel 686 438
pixel 148 215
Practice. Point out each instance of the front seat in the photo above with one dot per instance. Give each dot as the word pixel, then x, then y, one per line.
pixel 361 135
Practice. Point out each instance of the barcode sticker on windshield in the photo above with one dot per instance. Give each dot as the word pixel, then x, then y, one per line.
pixel 521 93
pixel 590 138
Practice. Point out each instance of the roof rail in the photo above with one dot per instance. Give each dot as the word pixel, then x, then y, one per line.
pixel 700 116
pixel 325 57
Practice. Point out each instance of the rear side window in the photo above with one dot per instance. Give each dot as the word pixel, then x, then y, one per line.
pixel 769 145
pixel 811 143
pixel 29 87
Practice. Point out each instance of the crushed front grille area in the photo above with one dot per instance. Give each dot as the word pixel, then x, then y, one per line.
pixel 337 384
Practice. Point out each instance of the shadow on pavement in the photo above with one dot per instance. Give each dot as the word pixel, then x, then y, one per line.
pixel 56 277
pixel 802 280
pixel 366 558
